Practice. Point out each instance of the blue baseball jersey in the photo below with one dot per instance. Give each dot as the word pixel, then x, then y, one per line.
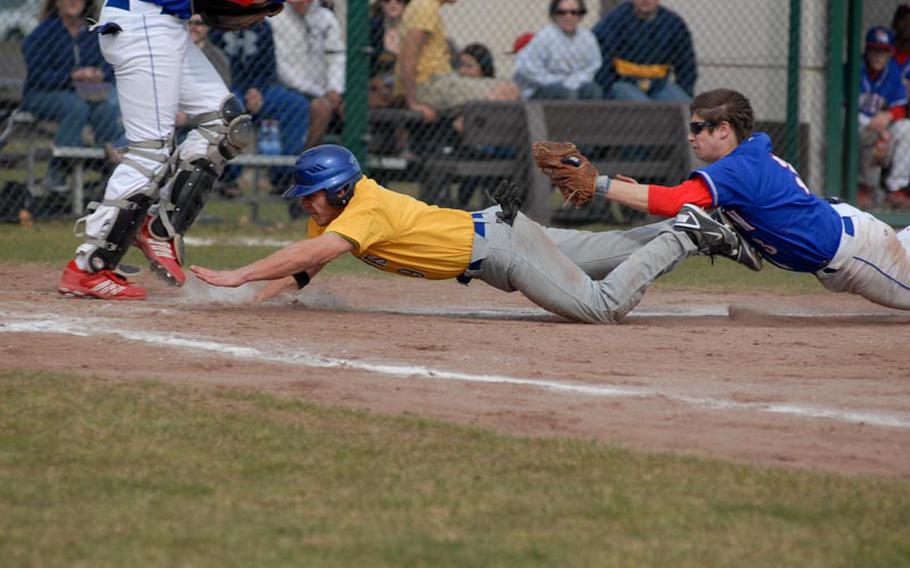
pixel 884 93
pixel 773 208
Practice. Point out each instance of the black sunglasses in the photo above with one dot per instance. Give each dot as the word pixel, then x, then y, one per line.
pixel 696 127
pixel 569 12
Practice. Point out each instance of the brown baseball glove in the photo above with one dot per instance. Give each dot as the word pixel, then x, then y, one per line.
pixel 568 170
pixel 227 15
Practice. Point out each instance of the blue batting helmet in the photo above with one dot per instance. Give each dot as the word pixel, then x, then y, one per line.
pixel 328 167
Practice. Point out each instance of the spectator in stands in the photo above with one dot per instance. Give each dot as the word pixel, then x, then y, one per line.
pixel 884 128
pixel 475 60
pixel 642 43
pixel 251 53
pixel 426 77
pixel 385 39
pixel 385 43
pixel 561 59
pixel 311 60
pixel 69 82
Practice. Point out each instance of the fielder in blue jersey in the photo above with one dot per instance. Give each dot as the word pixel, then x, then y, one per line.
pixel 771 207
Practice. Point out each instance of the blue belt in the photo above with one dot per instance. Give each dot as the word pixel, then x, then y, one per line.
pixel 848 226
pixel 481 230
pixel 850 230
pixel 479 225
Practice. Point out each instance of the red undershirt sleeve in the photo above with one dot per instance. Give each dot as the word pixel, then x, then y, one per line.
pixel 666 201
pixel 899 112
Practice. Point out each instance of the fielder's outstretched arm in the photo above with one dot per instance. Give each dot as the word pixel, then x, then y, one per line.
pixel 301 256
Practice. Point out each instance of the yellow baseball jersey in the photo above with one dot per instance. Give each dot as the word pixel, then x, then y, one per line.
pixel 434 55
pixel 399 234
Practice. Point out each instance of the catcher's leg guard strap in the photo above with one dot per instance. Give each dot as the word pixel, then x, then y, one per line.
pixel 189 193
pixel 231 136
pixel 109 250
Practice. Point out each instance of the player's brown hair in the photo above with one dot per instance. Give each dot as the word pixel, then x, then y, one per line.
pixel 726 105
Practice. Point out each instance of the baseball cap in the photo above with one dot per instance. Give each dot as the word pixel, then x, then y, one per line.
pixel 880 37
pixel 522 41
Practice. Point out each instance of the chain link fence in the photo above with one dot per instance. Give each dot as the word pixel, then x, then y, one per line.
pixel 615 77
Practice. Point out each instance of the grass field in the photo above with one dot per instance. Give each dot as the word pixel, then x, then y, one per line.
pixel 94 473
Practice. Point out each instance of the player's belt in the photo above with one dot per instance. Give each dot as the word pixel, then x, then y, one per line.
pixel 480 229
pixel 850 230
pixel 848 226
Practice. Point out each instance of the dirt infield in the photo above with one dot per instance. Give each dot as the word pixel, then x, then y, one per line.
pixel 820 381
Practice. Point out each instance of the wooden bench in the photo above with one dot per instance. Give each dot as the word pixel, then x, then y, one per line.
pixel 78 155
pixel 495 145
pixel 21 125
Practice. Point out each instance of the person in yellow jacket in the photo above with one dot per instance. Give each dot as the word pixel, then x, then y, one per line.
pixel 583 276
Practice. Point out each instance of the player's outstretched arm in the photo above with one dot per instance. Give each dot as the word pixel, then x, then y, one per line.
pixel 286 285
pixel 300 256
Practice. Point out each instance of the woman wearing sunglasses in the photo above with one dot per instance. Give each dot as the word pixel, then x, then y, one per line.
pixel 562 58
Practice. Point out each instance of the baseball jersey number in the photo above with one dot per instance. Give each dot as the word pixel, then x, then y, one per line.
pixel 786 165
pixel 770 249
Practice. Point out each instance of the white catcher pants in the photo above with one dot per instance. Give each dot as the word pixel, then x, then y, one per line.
pixel 872 262
pixel 159 72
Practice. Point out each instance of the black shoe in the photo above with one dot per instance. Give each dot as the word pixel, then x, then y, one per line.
pixel 507 196
pixel 713 234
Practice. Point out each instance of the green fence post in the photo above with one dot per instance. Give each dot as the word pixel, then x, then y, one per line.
pixel 834 111
pixel 792 127
pixel 851 132
pixel 357 78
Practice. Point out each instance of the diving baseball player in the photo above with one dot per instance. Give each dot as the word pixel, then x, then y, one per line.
pixel 153 197
pixel 848 250
pixel 583 276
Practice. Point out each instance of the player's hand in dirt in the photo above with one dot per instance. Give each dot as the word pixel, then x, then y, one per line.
pixel 276 288
pixel 223 278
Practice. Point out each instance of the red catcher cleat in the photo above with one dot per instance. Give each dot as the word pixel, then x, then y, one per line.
pixel 163 256
pixel 103 284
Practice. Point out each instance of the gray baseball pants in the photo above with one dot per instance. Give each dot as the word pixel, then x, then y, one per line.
pixel 583 276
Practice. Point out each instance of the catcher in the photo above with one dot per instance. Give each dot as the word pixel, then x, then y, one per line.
pixel 583 276
pixel 154 196
pixel 763 196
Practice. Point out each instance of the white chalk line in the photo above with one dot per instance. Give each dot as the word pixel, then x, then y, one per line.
pixel 238 241
pixel 55 324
